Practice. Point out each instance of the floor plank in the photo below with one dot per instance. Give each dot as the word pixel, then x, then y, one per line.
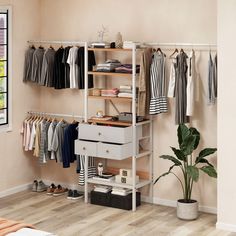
pixel 74 218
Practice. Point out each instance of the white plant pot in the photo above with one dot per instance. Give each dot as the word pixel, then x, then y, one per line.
pixel 187 211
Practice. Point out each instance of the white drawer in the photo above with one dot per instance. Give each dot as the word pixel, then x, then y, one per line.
pixel 105 133
pixel 114 151
pixel 85 148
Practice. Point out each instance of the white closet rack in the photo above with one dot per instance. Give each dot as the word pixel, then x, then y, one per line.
pixel 54 114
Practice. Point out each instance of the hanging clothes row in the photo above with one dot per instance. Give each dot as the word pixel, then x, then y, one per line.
pixel 183 83
pixel 51 139
pixel 60 69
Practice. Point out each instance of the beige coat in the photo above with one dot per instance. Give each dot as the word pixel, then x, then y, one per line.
pixel 144 82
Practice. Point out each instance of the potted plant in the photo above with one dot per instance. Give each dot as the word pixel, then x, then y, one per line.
pixel 190 166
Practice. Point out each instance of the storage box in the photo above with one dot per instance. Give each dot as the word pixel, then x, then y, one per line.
pixel 116 201
pixel 124 202
pixel 102 199
pixel 126 172
pixel 126 180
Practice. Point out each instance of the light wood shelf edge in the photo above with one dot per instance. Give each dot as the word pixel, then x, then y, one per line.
pixel 109 73
pixel 124 99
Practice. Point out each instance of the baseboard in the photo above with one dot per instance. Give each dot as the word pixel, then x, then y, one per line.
pixel 170 203
pixel 14 190
pixel 227 227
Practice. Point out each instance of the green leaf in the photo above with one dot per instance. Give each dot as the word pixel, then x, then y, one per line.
pixel 210 171
pixel 193 172
pixel 171 158
pixel 166 173
pixel 207 151
pixel 195 132
pixel 188 144
pixel 180 155
pixel 203 160
pixel 182 132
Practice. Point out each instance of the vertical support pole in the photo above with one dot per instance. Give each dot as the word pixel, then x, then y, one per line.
pixel 86 117
pixel 134 139
pixel 151 160
pixel 86 82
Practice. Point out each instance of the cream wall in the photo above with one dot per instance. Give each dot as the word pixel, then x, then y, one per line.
pixel 226 115
pixel 16 167
pixel 154 20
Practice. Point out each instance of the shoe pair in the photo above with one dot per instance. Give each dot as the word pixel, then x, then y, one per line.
pixel 74 195
pixel 39 186
pixel 56 191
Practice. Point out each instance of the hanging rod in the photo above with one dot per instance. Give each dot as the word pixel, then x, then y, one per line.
pixel 56 42
pixel 170 46
pixel 54 114
pixel 181 44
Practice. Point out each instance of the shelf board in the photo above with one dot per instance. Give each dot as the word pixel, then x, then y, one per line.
pixel 109 73
pixel 143 153
pixel 111 98
pixel 110 49
pixel 110 122
pixel 141 183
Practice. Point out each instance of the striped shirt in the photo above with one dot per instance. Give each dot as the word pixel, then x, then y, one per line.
pixel 158 100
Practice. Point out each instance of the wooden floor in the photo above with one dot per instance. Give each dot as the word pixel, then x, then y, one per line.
pixel 66 218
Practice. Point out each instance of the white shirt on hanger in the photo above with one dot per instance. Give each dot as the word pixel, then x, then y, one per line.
pixel 74 68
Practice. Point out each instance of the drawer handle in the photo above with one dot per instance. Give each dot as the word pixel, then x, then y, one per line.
pixel 107 151
pixel 84 148
pixel 99 134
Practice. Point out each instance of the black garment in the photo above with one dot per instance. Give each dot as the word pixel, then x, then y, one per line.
pixel 181 68
pixel 59 70
pixel 67 67
pixel 68 147
pixel 91 63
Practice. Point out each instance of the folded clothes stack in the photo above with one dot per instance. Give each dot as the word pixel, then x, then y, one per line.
pixel 126 91
pixel 110 92
pixel 102 188
pixel 108 66
pixel 120 191
pixel 126 68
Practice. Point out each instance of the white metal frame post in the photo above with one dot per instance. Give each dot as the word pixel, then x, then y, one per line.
pixel 134 126
pixel 86 117
pixel 151 161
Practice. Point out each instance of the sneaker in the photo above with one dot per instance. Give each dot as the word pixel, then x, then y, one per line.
pixel 76 195
pixel 41 186
pixel 59 191
pixel 34 186
pixel 70 194
pixel 51 189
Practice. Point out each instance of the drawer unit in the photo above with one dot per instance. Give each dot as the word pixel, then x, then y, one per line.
pixel 105 133
pixel 85 148
pixel 114 151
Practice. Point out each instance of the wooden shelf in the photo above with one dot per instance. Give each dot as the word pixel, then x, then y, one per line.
pixel 120 99
pixel 110 49
pixel 110 122
pixel 110 73
pixel 141 183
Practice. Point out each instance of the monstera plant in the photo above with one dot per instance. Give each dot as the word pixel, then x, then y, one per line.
pixel 190 166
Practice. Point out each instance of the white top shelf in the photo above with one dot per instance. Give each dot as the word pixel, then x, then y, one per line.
pixel 141 183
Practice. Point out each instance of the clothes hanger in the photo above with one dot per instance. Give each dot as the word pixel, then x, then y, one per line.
pixel 175 51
